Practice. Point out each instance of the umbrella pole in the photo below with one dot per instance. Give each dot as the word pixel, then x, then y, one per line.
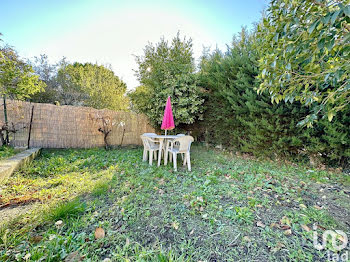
pixel 165 131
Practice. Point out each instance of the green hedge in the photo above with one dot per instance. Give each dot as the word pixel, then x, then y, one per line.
pixel 237 117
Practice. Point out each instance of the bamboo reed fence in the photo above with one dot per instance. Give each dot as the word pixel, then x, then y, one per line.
pixel 72 126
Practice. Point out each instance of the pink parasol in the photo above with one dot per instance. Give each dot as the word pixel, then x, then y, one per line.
pixel 168 119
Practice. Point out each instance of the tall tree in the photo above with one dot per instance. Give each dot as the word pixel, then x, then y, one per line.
pixel 17 81
pixel 92 85
pixel 169 70
pixel 48 74
pixel 306 53
pixel 17 78
pixel 236 115
pixel 140 98
pixel 70 93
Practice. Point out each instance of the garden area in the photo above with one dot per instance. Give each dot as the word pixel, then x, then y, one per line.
pixel 228 208
pixel 7 151
pixel 237 154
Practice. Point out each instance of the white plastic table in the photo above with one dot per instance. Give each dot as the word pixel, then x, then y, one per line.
pixel 161 139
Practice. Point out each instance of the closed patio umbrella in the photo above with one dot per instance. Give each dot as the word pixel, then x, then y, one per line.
pixel 168 118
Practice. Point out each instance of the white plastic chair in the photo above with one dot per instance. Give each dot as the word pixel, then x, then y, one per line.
pixel 180 145
pixel 177 144
pixel 149 134
pixel 149 145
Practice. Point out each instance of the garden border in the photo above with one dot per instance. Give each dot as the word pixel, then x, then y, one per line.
pixel 8 166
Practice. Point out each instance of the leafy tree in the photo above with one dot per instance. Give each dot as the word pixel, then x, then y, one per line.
pixel 140 98
pixel 92 85
pixel 236 115
pixel 169 70
pixel 305 47
pixel 331 140
pixel 17 78
pixel 69 92
pixel 17 81
pixel 48 74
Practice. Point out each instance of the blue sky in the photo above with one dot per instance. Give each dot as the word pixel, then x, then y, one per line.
pixel 112 31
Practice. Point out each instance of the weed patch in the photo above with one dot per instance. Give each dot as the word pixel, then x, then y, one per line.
pixel 226 209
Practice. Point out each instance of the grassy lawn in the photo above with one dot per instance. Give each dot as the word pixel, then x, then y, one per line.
pixel 228 208
pixel 7 151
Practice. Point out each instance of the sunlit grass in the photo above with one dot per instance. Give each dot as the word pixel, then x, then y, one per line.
pixel 155 214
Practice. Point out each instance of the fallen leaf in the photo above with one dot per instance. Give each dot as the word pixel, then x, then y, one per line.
pixel 317 207
pixel 99 233
pixel 284 227
pixel 306 228
pixel 191 233
pixel 285 220
pixel 272 225
pixel 127 241
pixel 27 256
pixel 302 206
pixel 175 225
pixel 52 237
pixel 59 223
pixel 288 232
pixel 278 247
pixel 260 224
pixel 200 199
pixel 246 238
pixel 321 227
pixel 124 198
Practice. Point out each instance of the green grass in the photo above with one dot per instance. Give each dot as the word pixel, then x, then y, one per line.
pixel 66 210
pixel 7 151
pixel 227 209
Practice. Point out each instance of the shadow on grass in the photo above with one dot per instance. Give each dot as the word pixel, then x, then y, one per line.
pixel 12 232
pixel 45 239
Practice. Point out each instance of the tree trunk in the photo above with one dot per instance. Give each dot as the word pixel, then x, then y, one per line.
pixel 7 140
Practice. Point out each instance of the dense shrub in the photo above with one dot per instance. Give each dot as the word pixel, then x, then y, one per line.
pixel 331 140
pixel 305 51
pixel 239 118
pixel 236 115
pixel 168 69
